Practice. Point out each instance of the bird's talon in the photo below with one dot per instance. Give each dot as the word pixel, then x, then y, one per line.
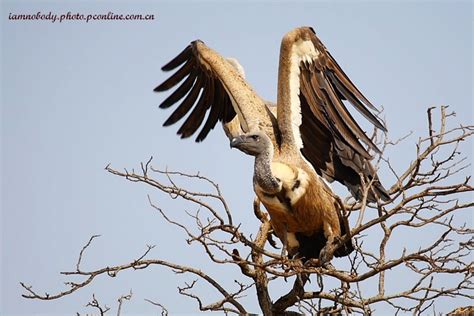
pixel 326 255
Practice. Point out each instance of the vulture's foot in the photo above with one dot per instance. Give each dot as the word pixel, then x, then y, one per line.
pixel 329 266
pixel 284 241
pixel 326 254
pixel 284 256
pixel 271 241
pixel 262 217
pixel 283 251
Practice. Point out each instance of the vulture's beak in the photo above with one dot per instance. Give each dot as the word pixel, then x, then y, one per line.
pixel 236 141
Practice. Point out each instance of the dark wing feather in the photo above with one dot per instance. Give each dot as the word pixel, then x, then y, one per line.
pixel 177 77
pixel 196 117
pixel 182 90
pixel 348 95
pixel 340 125
pixel 202 90
pixel 343 78
pixel 216 111
pixel 178 60
pixel 186 105
pixel 332 139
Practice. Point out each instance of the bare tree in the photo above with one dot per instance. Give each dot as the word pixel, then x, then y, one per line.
pixel 429 199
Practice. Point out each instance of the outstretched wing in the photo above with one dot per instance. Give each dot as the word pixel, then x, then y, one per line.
pixel 209 84
pixel 314 119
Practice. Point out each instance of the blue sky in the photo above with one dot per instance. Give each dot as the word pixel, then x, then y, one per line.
pixel 77 96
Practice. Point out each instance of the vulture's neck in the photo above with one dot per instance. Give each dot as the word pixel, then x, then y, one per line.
pixel 263 172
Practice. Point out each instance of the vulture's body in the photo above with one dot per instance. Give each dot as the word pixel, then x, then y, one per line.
pixel 304 211
pixel 306 208
pixel 310 136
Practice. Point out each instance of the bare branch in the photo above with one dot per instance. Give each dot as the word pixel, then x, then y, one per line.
pixel 431 197
pixel 164 311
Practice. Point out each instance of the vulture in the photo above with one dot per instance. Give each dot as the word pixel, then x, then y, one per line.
pixel 309 138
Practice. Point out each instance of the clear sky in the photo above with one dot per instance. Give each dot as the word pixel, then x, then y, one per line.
pixel 77 96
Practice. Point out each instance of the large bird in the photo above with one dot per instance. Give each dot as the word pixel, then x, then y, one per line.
pixel 310 137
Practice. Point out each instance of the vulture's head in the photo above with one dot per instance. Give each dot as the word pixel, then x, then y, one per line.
pixel 253 143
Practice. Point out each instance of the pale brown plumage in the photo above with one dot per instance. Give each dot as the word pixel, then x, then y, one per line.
pixel 314 217
pixel 312 133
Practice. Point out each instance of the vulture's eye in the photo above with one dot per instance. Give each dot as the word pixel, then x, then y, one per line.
pixel 256 137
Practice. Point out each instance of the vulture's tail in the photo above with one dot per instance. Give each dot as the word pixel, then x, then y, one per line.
pixel 350 173
pixel 375 193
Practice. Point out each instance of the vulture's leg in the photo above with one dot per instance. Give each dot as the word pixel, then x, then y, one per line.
pixel 284 242
pixel 327 253
pixel 290 243
pixel 262 217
